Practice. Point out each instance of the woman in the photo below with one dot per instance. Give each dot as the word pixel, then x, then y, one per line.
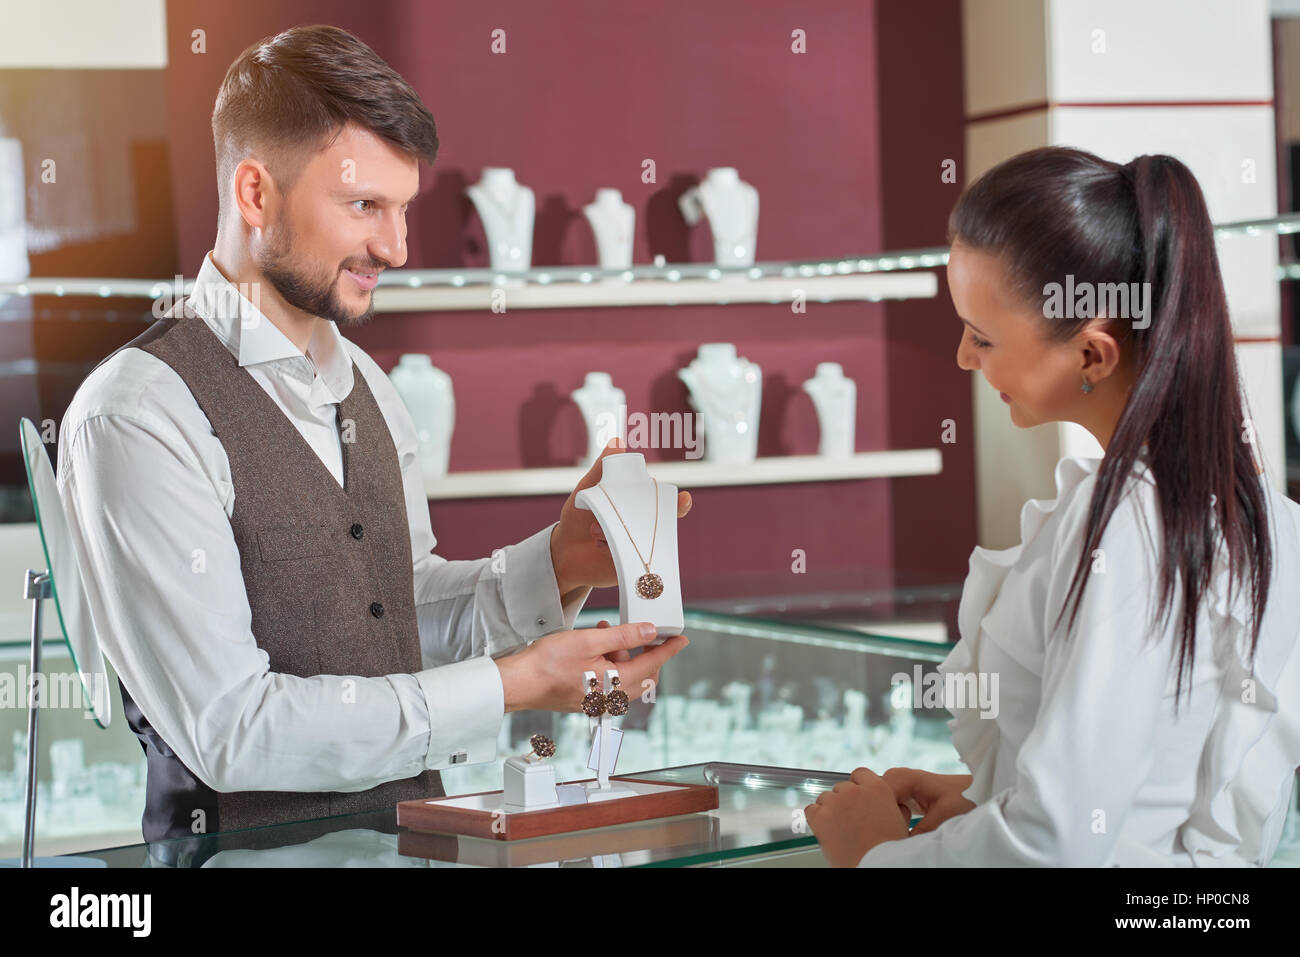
pixel 1144 632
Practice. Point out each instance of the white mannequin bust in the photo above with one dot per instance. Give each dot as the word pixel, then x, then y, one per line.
pixel 603 406
pixel 731 207
pixel 506 208
pixel 727 391
pixel 631 491
pixel 429 396
pixel 836 399
pixel 613 222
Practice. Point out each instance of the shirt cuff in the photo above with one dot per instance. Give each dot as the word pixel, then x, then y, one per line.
pixel 529 590
pixel 466 705
pixel 574 605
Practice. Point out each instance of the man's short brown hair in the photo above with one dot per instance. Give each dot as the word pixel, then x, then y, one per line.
pixel 285 98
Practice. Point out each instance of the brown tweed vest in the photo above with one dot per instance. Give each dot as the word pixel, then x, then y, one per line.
pixel 327 570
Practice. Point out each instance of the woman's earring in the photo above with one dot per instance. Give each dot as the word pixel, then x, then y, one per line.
pixel 594 703
pixel 617 699
pixel 1086 387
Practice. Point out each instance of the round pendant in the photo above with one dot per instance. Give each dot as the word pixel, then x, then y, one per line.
pixel 649 585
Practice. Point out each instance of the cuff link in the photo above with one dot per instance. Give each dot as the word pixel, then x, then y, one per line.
pixel 460 757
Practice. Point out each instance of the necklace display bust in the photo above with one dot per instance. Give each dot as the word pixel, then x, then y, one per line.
pixel 506 208
pixel 625 502
pixel 613 223
pixel 727 391
pixel 731 207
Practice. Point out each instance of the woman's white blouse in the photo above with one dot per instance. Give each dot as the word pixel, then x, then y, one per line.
pixel 1083 761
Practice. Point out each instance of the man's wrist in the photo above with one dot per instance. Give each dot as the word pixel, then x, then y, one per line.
pixel 509 683
pixel 562 584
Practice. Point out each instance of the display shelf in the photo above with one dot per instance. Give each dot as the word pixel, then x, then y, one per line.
pixel 823 280
pixel 699 474
pixel 657 292
pixel 888 276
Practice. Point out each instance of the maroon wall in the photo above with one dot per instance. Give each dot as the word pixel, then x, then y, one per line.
pixel 922 125
pixel 585 93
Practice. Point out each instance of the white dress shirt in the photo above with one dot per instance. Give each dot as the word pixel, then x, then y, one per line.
pixel 148 492
pixel 1085 763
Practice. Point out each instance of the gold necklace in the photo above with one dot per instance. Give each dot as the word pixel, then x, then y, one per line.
pixel 648 585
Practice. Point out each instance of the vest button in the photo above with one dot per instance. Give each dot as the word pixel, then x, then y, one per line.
pixel 376 609
pixel 356 530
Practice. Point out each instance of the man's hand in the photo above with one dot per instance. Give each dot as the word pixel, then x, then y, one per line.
pixel 936 796
pixel 547 675
pixel 578 548
pixel 854 817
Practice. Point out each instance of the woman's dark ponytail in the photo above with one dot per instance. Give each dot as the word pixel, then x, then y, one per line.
pixel 1055 211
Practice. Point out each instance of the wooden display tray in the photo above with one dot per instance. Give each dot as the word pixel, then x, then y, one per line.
pixel 481 814
pixel 685 830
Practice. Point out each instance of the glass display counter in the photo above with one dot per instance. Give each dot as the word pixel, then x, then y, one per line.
pixel 810 689
pixel 817 682
pixel 758 821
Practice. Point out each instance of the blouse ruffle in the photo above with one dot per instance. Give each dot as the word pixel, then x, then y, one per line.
pixel 1250 756
pixel 1245 776
pixel 976 738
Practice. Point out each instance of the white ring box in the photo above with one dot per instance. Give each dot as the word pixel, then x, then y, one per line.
pixel 529 785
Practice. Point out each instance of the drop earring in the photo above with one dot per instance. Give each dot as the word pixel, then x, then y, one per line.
pixel 594 703
pixel 616 700
pixel 1086 387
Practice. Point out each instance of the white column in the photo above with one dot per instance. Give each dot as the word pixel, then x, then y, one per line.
pixel 1190 78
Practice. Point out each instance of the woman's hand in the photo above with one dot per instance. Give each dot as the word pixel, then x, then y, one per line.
pixel 936 797
pixel 854 817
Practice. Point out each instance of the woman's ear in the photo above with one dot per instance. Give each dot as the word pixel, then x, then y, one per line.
pixel 1099 350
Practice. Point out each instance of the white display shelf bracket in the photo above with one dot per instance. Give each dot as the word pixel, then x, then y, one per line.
pixel 698 474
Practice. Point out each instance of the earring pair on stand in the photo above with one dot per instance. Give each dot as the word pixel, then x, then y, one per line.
pixel 597 702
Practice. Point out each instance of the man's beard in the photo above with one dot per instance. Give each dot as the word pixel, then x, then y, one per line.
pixel 312 295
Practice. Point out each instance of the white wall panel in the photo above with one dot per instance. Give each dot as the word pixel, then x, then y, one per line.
pixel 1229 150
pixel 84 34
pixel 1159 50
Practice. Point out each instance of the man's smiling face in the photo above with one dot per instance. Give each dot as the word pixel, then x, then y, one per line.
pixel 341 224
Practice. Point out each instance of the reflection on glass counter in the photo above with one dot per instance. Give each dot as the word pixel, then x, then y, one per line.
pixel 759 690
pixel 91 781
pixel 82 805
pixel 759 820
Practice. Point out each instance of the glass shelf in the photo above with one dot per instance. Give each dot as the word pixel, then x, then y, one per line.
pixel 873 279
pixel 728 283
pixel 618 290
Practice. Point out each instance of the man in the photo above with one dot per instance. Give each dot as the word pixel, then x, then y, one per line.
pixel 244 492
